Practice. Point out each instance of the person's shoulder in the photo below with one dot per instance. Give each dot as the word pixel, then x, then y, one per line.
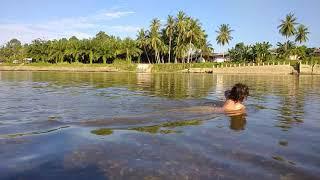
pixel 239 106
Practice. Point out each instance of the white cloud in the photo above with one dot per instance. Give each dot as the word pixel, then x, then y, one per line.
pixel 129 29
pixel 118 14
pixel 65 27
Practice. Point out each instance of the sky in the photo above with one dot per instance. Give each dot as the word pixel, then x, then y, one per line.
pixel 252 20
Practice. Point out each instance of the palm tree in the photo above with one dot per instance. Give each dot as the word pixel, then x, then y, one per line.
pixel 155 40
pixel 302 34
pixel 143 42
pixel 169 32
pixel 193 33
pixel 284 49
pixel 286 28
pixel 181 25
pixel 73 48
pixel 130 48
pixel 224 35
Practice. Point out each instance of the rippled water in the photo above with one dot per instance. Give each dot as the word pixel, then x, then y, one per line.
pixel 156 126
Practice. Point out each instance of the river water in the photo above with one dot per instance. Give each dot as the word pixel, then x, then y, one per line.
pixel 157 126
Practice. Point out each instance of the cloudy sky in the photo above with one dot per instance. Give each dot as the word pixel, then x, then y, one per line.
pixel 251 20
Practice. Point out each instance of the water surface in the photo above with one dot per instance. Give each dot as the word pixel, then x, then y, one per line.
pixel 156 126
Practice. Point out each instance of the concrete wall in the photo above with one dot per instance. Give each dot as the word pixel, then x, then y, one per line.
pixel 262 69
pixel 144 68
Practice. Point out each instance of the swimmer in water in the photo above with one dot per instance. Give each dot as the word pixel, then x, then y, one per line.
pixel 235 98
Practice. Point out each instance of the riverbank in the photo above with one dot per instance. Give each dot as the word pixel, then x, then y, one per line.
pixel 215 68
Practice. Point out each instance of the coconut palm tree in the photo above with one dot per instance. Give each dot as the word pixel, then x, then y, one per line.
pixel 193 34
pixel 287 26
pixel 143 42
pixel 155 39
pixel 302 34
pixel 181 25
pixel 169 32
pixel 224 35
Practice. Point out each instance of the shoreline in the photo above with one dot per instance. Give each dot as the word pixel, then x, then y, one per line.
pixel 162 68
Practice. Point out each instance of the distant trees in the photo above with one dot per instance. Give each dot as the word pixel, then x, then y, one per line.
pixel 258 52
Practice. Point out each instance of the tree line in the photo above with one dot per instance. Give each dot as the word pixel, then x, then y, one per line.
pixel 180 40
pixel 262 51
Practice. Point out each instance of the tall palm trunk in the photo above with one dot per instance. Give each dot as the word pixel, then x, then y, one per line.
pixel 169 60
pixel 104 58
pixel 145 50
pixel 91 57
pixel 156 56
pixel 77 58
pixel 178 42
pixel 189 53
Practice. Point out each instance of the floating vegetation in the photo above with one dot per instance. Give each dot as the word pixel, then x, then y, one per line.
pixel 102 132
pixel 148 129
pixel 182 123
pixel 163 128
pixel 33 133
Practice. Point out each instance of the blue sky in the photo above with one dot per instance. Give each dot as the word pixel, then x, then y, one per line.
pixel 251 20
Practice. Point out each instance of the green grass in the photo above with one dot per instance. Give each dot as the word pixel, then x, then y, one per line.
pixel 118 64
pixel 170 67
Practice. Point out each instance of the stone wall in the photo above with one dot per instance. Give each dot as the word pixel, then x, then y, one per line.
pixel 261 69
pixel 310 69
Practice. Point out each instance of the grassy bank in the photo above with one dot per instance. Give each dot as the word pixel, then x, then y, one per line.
pixel 179 67
pixel 117 66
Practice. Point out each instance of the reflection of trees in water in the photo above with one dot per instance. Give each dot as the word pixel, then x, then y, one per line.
pixel 173 85
pixel 291 106
pixel 181 85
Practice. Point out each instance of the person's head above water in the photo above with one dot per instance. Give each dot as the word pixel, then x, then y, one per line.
pixel 238 93
pixel 235 97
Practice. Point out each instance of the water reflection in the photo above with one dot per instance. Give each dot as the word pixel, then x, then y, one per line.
pixel 238 122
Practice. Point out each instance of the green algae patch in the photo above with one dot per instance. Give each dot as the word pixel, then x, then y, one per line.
pixel 148 129
pixel 166 128
pixel 182 123
pixel 102 132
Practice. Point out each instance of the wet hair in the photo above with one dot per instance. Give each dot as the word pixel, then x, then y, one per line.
pixel 239 92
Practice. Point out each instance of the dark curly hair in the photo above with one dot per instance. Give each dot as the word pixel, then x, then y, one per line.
pixel 239 92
